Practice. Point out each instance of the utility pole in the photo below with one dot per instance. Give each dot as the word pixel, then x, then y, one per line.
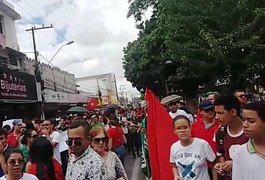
pixel 36 63
pixel 37 68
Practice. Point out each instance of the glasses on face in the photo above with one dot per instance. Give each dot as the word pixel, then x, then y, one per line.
pixel 14 161
pixel 208 110
pixel 34 136
pixel 76 142
pixel 242 96
pixel 98 140
pixel 46 125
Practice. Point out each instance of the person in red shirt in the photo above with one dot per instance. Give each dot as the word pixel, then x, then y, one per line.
pixel 205 128
pixel 117 140
pixel 13 137
pixel 41 162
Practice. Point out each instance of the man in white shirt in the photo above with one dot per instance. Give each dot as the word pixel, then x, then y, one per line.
pixel 53 136
pixel 174 111
pixel 249 160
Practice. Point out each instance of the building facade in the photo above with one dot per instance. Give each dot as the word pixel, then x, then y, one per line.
pixel 103 84
pixel 18 95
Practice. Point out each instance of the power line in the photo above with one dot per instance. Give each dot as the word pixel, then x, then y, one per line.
pixel 37 12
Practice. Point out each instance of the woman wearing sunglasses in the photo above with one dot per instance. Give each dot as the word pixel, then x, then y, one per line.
pixel 26 142
pixel 41 162
pixel 14 165
pixel 115 169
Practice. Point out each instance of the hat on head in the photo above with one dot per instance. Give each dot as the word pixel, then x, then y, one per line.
pixel 94 116
pixel 17 122
pixel 206 104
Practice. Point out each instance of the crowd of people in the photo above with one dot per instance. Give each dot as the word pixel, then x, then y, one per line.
pixel 92 145
pixel 226 141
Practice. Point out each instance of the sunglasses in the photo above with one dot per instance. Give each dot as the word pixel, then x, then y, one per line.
pixel 76 142
pixel 34 136
pixel 14 161
pixel 98 140
pixel 242 95
pixel 208 110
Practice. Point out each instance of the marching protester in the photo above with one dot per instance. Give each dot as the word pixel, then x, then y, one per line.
pixel 117 140
pixel 99 142
pixel 84 162
pixel 241 96
pixel 48 130
pixel 175 111
pixel 230 135
pixel 14 162
pixel 26 142
pixel 205 128
pixel 189 155
pixel 249 160
pixel 41 162
pixel 13 137
pixel 5 149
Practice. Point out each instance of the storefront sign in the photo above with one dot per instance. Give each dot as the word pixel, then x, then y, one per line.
pixel 55 97
pixel 17 85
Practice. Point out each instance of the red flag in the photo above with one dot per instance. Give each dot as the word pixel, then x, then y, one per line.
pixel 92 104
pixel 160 136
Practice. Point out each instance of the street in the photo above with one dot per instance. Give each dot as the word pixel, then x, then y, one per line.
pixel 133 168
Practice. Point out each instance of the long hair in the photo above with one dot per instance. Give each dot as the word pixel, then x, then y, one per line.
pixel 41 153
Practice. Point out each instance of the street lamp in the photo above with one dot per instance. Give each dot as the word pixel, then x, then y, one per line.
pixel 70 42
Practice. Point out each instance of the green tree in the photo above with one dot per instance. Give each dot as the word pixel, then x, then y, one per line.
pixel 211 44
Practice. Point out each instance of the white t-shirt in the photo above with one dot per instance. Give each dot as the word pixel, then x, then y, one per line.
pixel 25 176
pixel 191 160
pixel 55 137
pixel 181 112
pixel 62 144
pixel 247 166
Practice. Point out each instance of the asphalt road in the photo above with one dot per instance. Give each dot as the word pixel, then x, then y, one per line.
pixel 133 168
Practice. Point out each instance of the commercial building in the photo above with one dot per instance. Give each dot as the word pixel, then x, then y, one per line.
pixel 18 95
pixel 103 85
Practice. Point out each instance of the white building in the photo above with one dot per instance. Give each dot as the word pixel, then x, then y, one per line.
pixel 105 83
pixel 8 16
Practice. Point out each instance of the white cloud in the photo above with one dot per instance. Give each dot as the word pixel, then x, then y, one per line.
pixel 99 28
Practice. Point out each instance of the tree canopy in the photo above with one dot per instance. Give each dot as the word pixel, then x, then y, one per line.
pixel 209 44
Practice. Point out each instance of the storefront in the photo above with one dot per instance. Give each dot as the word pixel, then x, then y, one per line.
pixel 18 95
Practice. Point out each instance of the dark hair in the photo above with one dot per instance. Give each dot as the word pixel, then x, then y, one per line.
pixel 178 117
pixel 3 132
pixel 29 125
pixel 13 151
pixel 113 123
pixel 257 106
pixel 7 127
pixel 27 134
pixel 238 90
pixel 229 102
pixel 83 123
pixel 41 153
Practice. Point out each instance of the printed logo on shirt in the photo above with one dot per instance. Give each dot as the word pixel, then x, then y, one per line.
pixel 187 170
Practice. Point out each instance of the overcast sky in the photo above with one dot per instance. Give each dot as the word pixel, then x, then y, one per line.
pixel 99 28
